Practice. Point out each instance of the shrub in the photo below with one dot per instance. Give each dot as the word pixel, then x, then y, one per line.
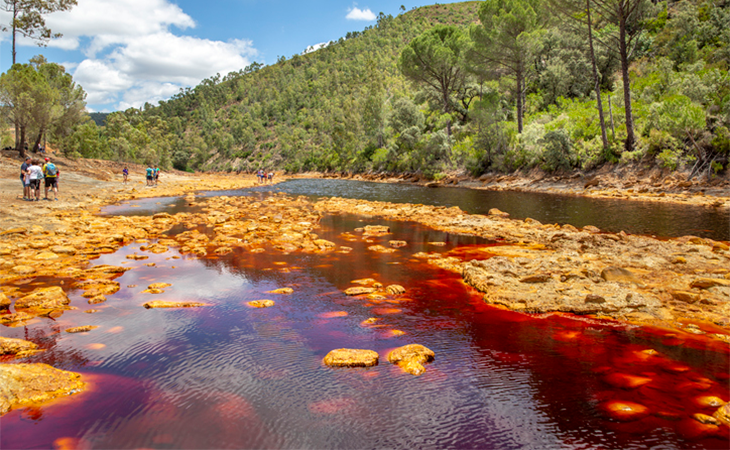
pixel 557 154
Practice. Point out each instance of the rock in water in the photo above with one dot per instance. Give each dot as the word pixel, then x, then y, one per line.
pixel 164 304
pixel 24 384
pixel 359 291
pixel 13 346
pixel 261 303
pixel 4 301
pixel 723 414
pixel 45 298
pixel 350 357
pixel 411 358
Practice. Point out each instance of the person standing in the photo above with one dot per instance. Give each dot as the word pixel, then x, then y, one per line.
pixel 35 172
pixel 157 174
pixel 51 174
pixel 25 179
pixel 125 173
pixel 150 174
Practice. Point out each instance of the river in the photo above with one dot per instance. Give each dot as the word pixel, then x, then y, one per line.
pixel 227 375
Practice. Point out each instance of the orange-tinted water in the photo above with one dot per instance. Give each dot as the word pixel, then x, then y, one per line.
pixel 228 375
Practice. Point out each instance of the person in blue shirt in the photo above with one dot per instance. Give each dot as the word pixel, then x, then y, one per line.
pixel 125 172
pixel 150 175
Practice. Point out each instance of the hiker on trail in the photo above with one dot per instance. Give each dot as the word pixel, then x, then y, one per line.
pixel 150 175
pixel 51 173
pixel 157 174
pixel 25 179
pixel 271 177
pixel 125 173
pixel 35 173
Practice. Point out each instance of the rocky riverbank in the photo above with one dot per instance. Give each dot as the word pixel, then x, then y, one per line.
pixel 630 182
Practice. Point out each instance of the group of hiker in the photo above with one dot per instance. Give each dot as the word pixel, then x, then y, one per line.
pixel 31 174
pixel 262 176
pixel 153 175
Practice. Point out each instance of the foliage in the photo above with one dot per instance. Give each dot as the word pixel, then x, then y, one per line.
pixel 27 18
pixel 368 103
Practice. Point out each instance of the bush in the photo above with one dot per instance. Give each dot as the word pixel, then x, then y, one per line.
pixel 557 154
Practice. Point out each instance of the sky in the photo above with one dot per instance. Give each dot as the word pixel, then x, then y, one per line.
pixel 125 53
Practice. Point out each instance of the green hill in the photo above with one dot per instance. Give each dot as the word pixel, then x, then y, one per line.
pixel 348 107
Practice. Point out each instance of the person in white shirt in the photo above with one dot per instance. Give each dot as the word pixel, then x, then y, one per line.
pixel 35 174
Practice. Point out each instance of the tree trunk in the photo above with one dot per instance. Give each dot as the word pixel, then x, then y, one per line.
pixel 15 15
pixel 37 144
pixel 447 106
pixel 630 139
pixel 520 106
pixel 596 78
pixel 20 143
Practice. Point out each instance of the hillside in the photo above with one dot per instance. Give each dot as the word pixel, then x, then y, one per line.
pixel 348 107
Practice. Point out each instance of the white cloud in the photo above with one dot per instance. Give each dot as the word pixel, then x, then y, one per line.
pixel 356 13
pixel 101 81
pixel 148 91
pixel 110 22
pixel 315 47
pixel 133 55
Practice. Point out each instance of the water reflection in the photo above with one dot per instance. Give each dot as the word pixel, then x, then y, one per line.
pixel 648 218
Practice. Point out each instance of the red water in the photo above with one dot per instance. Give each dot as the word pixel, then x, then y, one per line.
pixel 228 375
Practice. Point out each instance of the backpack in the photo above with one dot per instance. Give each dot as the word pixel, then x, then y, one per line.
pixel 51 170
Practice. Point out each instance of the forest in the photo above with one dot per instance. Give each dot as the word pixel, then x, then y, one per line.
pixel 472 87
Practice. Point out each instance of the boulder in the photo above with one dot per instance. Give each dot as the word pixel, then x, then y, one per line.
pixel 348 357
pixel 15 319
pixel 395 289
pixel 497 212
pixel 44 298
pixel 30 384
pixel 10 346
pixel 4 301
pixel 261 303
pixel 411 358
pixel 360 290
pixel 723 414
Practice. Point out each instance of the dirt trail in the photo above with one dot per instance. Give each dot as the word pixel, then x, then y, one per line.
pixel 89 184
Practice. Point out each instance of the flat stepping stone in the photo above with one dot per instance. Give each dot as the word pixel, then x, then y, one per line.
pixel 359 290
pixel 285 291
pixel 348 357
pixel 81 329
pixel 261 303
pixel 164 304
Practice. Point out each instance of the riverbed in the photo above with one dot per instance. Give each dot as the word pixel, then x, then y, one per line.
pixel 229 375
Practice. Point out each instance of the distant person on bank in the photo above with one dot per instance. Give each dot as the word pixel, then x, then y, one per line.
pixel 150 175
pixel 25 179
pixel 125 172
pixel 51 174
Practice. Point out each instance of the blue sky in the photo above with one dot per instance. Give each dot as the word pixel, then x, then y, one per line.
pixel 128 52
